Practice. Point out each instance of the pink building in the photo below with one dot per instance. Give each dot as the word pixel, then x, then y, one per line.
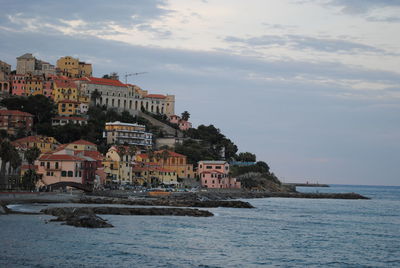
pixel 18 85
pixel 182 124
pixel 48 89
pixel 66 166
pixel 215 174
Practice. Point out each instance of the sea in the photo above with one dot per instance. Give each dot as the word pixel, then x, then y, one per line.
pixel 279 232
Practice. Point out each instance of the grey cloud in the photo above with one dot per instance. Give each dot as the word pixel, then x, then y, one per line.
pixel 363 6
pixel 98 14
pixel 305 42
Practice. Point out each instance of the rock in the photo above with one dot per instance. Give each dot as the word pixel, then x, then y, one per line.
pixel 3 209
pixel 64 213
pixel 88 221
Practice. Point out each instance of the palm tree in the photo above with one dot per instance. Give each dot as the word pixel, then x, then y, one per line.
pixel 5 155
pixel 15 162
pixel 32 154
pixel 94 96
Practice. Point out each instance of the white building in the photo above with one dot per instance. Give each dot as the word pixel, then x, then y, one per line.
pixel 126 133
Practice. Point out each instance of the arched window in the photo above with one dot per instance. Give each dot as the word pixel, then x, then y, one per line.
pixel 119 102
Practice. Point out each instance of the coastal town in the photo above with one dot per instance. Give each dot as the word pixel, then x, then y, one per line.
pixel 142 149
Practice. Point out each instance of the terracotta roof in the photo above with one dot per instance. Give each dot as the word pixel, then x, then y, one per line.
pixel 212 172
pixel 94 154
pixel 156 96
pixel 65 83
pixel 170 153
pixel 60 157
pixel 83 142
pixel 32 139
pixel 14 112
pixel 103 81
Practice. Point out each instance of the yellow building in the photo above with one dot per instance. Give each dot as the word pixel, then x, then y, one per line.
pixel 73 68
pixel 154 175
pixel 43 143
pixel 65 90
pixel 117 164
pixel 168 160
pixel 68 107
pixel 33 86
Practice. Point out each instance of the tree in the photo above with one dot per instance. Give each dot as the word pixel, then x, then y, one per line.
pixel 185 116
pixel 5 154
pixel 32 154
pixel 94 96
pixel 30 179
pixel 246 157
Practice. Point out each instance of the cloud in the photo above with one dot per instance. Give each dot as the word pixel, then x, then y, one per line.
pixel 306 43
pixel 363 6
pixel 98 17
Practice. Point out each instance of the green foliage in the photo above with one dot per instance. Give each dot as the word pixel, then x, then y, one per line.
pixel 246 157
pixel 185 116
pixel 259 167
pixel 195 151
pixel 261 181
pixel 30 179
pixel 32 154
pixel 40 106
pixel 215 141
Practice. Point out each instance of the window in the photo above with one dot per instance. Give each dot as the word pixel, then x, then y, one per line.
pixel 217 167
pixel 56 164
pixel 48 165
pixel 42 164
pixel 208 167
pixel 70 174
pixel 63 173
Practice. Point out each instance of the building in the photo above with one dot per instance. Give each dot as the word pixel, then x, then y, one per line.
pixel 169 142
pixel 118 164
pixel 68 107
pixel 153 175
pixel 182 124
pixel 43 143
pixel 63 120
pixel 168 160
pixel 114 94
pixel 13 120
pixel 18 84
pixel 65 166
pixel 215 174
pixel 64 89
pixel 5 70
pixel 28 64
pixel 127 133
pixel 73 68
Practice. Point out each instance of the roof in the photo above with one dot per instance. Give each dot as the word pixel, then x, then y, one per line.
pixel 26 56
pixel 65 83
pixel 60 157
pixel 156 96
pixel 83 142
pixel 14 112
pixel 33 139
pixel 103 81
pixel 212 172
pixel 170 154
pixel 213 162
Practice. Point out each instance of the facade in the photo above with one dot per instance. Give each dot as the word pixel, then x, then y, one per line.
pixel 43 143
pixel 68 107
pixel 168 160
pixel 182 124
pixel 63 120
pixel 127 133
pixel 14 120
pixel 154 175
pixel 64 90
pixel 117 164
pixel 5 70
pixel 73 68
pixel 28 64
pixel 114 94
pixel 65 166
pixel 170 142
pixel 215 174
pixel 18 85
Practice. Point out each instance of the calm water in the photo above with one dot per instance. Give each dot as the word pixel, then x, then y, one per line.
pixel 279 232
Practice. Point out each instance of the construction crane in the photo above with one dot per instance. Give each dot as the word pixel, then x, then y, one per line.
pixel 126 75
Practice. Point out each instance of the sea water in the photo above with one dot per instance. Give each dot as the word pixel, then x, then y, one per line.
pixel 279 232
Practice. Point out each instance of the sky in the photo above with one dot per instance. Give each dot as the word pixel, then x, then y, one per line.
pixel 312 87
